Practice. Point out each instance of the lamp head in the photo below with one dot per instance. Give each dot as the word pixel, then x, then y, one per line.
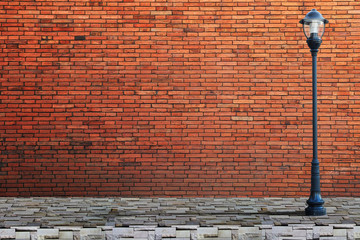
pixel 314 25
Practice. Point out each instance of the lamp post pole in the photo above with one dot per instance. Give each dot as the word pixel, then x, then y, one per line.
pixel 314 27
pixel 315 202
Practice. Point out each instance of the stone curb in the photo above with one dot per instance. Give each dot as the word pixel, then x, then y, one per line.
pixel 184 233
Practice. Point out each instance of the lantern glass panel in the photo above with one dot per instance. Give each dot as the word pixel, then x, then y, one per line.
pixel 314 29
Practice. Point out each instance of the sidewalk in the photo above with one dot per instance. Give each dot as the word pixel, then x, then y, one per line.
pixel 176 218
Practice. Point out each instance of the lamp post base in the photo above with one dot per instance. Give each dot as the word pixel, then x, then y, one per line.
pixel 315 211
pixel 315 205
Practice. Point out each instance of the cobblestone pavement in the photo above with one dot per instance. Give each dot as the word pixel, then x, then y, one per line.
pixel 176 218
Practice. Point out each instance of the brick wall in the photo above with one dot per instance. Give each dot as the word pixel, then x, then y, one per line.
pixel 175 98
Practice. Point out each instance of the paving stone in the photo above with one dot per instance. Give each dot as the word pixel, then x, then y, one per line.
pixel 282 231
pixel 207 232
pixel 157 237
pixel 48 233
pixel 356 232
pixel 22 235
pixel 341 226
pixel 90 232
pixel 25 228
pixel 298 233
pixel 141 234
pixel 69 228
pixel 310 234
pixel 323 231
pixel 123 232
pixel 66 235
pixel 193 235
pixel 249 230
pixel 183 234
pixel 265 226
pixel 228 227
pixel 186 227
pixel 332 238
pixel 165 232
pixel 224 234
pixel 151 235
pixel 339 233
pixel 144 228
pixel 270 235
pixel 7 233
pixel 302 226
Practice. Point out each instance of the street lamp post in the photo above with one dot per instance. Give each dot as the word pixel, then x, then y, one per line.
pixel 314 27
